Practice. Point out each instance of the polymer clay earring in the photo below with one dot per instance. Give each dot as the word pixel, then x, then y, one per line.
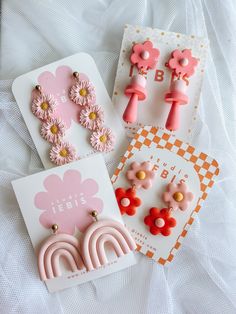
pixel 144 57
pixel 91 115
pixel 52 129
pixel 102 232
pixel 140 175
pixel 53 248
pixel 183 64
pixel 176 197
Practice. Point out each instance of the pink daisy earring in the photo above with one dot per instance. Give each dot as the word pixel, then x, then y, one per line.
pixel 176 196
pixel 140 176
pixel 182 64
pixel 52 129
pixel 91 115
pixel 144 57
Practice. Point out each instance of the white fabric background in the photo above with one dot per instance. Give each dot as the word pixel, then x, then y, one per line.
pixel 202 277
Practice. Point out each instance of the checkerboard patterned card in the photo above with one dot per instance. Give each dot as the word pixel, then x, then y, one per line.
pixel 174 161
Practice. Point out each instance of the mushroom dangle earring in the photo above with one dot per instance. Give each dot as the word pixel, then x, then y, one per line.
pixel 144 57
pixel 183 64
pixel 140 175
pixel 176 196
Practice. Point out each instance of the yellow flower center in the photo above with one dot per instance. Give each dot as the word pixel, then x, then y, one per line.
pixel 141 175
pixel 92 116
pixel 178 196
pixel 54 129
pixel 44 105
pixel 103 138
pixel 64 152
pixel 83 92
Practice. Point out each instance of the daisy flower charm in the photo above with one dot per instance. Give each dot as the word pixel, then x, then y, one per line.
pixel 92 117
pixel 43 106
pixel 83 93
pixel 53 130
pixel 102 140
pixel 62 153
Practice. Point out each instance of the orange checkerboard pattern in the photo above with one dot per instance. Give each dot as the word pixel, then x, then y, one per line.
pixel 206 168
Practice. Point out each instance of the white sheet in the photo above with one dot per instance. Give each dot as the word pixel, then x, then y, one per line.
pixel 201 279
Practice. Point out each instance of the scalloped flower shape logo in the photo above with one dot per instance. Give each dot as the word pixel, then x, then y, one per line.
pixel 58 85
pixel 68 202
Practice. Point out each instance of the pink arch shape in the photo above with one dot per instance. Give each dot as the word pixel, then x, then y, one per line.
pixel 91 249
pixel 46 262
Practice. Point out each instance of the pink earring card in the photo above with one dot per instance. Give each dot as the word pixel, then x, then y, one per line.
pixel 65 196
pixel 57 79
pixel 173 161
pixel 154 110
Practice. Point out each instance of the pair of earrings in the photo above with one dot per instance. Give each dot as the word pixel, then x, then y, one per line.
pixel 144 57
pixel 91 116
pixel 88 254
pixel 176 196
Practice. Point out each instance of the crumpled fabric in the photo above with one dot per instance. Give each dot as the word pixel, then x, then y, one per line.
pixel 201 278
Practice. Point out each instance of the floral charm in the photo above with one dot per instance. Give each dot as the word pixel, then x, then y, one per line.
pixel 62 153
pixel 177 196
pixel 182 62
pixel 83 93
pixel 43 106
pixel 141 175
pixel 102 140
pixel 127 201
pixel 144 56
pixel 53 130
pixel 92 117
pixel 160 221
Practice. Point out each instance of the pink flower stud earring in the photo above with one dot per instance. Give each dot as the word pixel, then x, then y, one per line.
pixel 91 115
pixel 160 221
pixel 140 175
pixel 183 65
pixel 144 57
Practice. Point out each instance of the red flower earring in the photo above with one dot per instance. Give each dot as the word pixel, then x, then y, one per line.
pixel 144 57
pixel 160 220
pixel 183 64
pixel 140 175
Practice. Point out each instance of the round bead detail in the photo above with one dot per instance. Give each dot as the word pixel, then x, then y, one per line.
pixel 54 129
pixel 125 202
pixel 103 138
pixel 145 55
pixel 64 152
pixel 83 92
pixel 44 106
pixel 184 62
pixel 178 196
pixel 141 175
pixel 160 222
pixel 92 116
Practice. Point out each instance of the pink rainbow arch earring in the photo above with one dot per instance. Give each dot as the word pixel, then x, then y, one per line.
pixel 176 196
pixel 183 64
pixel 144 57
pixel 53 248
pixel 52 129
pixel 91 115
pixel 97 235
pixel 140 175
